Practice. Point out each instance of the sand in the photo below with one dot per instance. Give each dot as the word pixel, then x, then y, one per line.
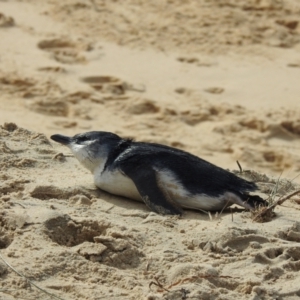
pixel 219 79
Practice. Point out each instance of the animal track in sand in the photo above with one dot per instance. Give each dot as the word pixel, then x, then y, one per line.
pixel 285 257
pixel 56 104
pixel 18 155
pixel 196 61
pixel 290 234
pixel 141 106
pixel 235 244
pixel 236 240
pixel 64 231
pixel 97 241
pixel 64 50
pixel 106 84
pixel 10 222
pixel 54 69
pixel 42 97
pixel 196 27
pixel 6 233
pixel 12 185
pixel 54 107
pixel 214 90
pixel 13 84
pixel 292 126
pixel 6 21
pixel 241 243
pixel 198 109
pixel 111 85
pixel 265 157
pixel 54 192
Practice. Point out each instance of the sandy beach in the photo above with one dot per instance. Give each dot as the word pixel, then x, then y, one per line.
pixel 219 79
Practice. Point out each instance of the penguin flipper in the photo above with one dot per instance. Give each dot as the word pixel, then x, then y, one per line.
pixel 154 197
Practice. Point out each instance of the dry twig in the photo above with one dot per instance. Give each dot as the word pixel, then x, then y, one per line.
pixel 240 167
pixel 267 210
pixel 157 283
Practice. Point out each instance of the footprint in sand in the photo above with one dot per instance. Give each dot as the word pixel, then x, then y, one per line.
pixel 196 61
pixel 53 69
pixel 214 90
pixel 6 21
pixel 111 85
pixel 141 106
pixel 235 241
pixel 97 241
pixel 52 107
pixel 285 257
pixel 64 51
pixel 7 233
pixel 290 234
pixel 292 126
pixel 106 84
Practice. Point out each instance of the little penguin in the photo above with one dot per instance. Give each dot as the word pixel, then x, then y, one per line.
pixel 166 179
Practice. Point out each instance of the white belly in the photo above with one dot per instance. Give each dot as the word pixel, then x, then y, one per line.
pixel 116 183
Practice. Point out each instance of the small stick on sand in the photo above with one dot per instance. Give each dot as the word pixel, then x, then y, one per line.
pixel 157 283
pixel 268 209
pixel 44 291
pixel 240 167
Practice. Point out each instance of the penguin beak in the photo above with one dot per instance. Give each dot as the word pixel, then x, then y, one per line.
pixel 62 139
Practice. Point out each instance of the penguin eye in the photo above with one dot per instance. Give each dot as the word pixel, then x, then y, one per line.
pixel 82 139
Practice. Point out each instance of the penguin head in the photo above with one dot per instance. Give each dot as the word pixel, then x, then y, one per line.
pixel 90 148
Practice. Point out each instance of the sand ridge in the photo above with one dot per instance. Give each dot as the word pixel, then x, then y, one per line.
pixel 216 78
